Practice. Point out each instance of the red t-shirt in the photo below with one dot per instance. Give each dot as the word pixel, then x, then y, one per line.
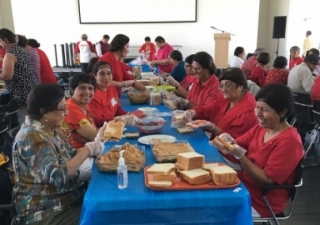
pixel 187 81
pixel 119 73
pixel 151 48
pixel 202 94
pixel 105 105
pixel 75 120
pixel 258 75
pixel 248 65
pixel 315 91
pixel 163 53
pixel 2 53
pixel 236 121
pixel 295 62
pixel 46 72
pixel 279 158
pixel 277 76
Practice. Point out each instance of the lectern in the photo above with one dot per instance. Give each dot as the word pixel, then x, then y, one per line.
pixel 221 51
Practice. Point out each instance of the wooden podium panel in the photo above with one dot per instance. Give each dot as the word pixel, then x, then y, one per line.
pixel 221 50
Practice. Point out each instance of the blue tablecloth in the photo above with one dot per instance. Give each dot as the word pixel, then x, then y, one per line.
pixel 104 203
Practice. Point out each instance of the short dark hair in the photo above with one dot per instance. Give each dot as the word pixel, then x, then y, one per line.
pixel 279 97
pixel 235 75
pixel 160 39
pixel 97 66
pixel 118 42
pixel 43 98
pixel 7 34
pixel 238 51
pixel 263 58
pixel 314 51
pixel 22 41
pixel 91 63
pixel 106 36
pixel 295 48
pixel 33 43
pixel 189 58
pixel 280 62
pixel 312 58
pixel 176 55
pixel 205 60
pixel 309 32
pixel 81 78
pixel 147 39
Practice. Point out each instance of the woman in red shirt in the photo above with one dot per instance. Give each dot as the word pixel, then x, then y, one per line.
pixel 2 53
pixel 121 78
pixel 278 74
pixel 232 112
pixel 105 104
pixel 270 152
pixel 148 49
pixel 258 73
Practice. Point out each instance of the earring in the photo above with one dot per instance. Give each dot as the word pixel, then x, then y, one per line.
pixel 46 120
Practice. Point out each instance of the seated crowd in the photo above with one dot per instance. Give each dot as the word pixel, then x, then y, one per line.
pixel 56 142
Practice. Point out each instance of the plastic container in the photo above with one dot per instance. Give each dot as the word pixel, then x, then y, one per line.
pixel 137 97
pixel 122 172
pixel 151 125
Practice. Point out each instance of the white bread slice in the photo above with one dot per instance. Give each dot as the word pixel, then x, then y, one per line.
pixel 170 177
pixel 207 166
pixel 190 160
pixel 159 184
pixel 223 175
pixel 161 168
pixel 196 176
pixel 114 130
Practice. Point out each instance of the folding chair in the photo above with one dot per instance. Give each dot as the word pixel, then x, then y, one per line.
pixel 302 108
pixel 294 189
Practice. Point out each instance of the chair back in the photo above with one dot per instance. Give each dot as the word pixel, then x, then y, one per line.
pixel 316 111
pixel 298 180
pixel 303 108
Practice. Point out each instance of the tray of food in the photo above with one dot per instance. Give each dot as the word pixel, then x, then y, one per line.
pixel 167 177
pixel 134 156
pixel 167 151
pixel 137 97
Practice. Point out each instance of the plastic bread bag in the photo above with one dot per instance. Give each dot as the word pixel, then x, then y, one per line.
pixel 177 120
pixel 154 98
pixel 85 169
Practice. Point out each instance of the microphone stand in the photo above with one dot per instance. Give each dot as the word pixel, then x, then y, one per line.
pixel 222 31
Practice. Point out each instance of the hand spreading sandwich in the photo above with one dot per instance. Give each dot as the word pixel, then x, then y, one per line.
pixel 207 125
pixel 128 119
pixel 226 144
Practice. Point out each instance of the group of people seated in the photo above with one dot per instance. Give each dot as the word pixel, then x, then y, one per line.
pixel 58 136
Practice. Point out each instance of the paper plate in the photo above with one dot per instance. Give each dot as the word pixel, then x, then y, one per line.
pixel 146 139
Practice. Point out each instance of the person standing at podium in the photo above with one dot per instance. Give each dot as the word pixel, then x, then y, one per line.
pixel 164 51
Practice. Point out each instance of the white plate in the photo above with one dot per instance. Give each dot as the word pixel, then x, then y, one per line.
pixel 146 139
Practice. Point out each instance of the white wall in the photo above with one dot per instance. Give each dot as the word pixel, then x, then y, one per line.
pixel 57 22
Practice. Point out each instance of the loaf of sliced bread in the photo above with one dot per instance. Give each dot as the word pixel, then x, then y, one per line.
pixel 196 176
pixel 159 184
pixel 161 168
pixel 223 175
pixel 189 161
pixel 161 177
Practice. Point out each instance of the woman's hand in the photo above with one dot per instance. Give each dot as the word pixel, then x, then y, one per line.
pixel 171 81
pixel 128 119
pixel 206 125
pixel 181 103
pixel 238 152
pixel 189 115
pixel 95 147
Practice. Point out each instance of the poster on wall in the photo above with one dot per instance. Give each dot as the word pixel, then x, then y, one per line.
pixel 137 11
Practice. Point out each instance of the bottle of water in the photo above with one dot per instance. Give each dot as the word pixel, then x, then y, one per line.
pixel 122 172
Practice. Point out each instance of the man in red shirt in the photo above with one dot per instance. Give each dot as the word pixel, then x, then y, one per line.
pixel 2 53
pixel 248 65
pixel 295 58
pixel 163 55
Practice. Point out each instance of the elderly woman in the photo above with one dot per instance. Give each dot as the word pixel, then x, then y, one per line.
pixel 270 152
pixel 205 89
pixel 47 189
pixel 232 112
pixel 16 72
pixel 121 78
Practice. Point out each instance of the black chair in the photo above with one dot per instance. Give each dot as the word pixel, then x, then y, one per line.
pixel 293 188
pixel 12 212
pixel 302 109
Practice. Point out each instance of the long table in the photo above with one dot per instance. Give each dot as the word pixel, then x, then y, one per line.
pixel 104 203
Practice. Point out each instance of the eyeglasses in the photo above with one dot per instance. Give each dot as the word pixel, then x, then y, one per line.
pixel 226 86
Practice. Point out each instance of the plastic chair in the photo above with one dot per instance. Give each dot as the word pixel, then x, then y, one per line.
pixel 294 189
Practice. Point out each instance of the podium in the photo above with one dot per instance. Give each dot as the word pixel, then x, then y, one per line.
pixel 221 49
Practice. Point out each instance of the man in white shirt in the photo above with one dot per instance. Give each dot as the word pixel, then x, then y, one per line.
pixel 307 43
pixel 237 59
pixel 300 79
pixel 84 51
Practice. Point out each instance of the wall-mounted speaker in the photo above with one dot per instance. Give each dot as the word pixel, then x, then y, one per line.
pixel 279 26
